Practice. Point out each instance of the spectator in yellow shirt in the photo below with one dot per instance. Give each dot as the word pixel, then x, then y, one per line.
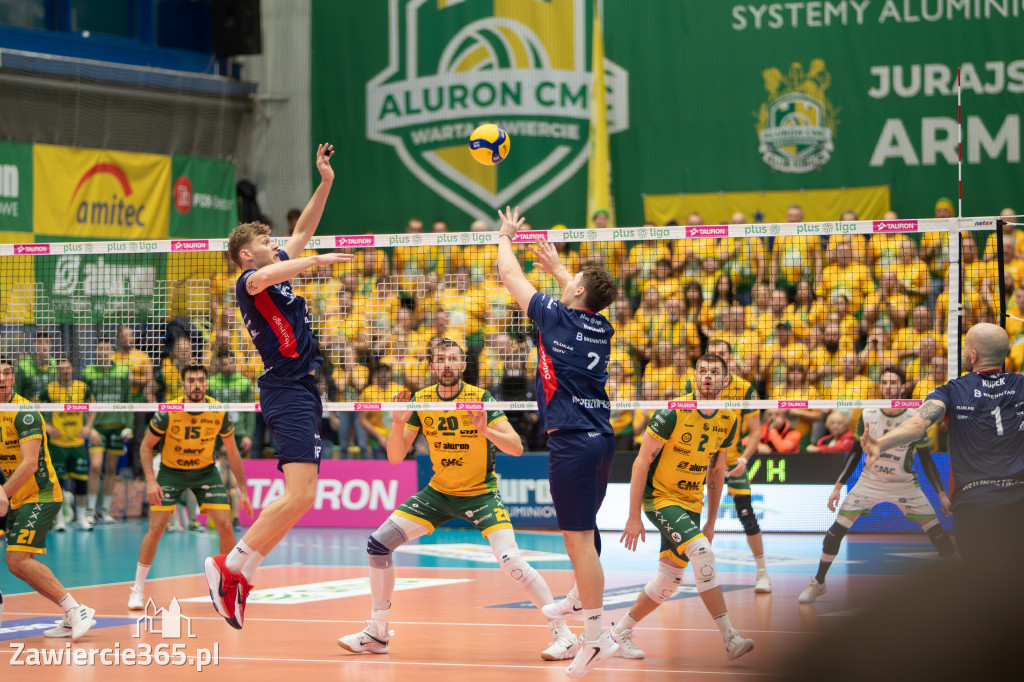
pixel 795 258
pixel 888 307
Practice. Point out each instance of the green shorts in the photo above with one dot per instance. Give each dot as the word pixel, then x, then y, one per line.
pixel 28 525
pixel 679 527
pixel 70 462
pixel 433 509
pixel 737 485
pixel 110 438
pixel 206 483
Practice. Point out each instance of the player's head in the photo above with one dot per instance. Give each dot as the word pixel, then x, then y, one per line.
pixel 104 352
pixel 721 348
pixel 65 369
pixel 593 289
pixel 711 374
pixel 6 379
pixel 194 381
pixel 891 383
pixel 985 347
pixel 224 363
pixel 125 336
pixel 181 351
pixel 944 208
pixel 249 245
pixel 447 362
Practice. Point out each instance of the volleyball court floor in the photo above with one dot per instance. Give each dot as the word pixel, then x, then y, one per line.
pixel 455 615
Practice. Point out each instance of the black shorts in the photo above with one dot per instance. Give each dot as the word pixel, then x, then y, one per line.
pixel 294 413
pixel 578 469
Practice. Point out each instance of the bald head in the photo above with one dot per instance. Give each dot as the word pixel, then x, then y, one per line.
pixel 985 347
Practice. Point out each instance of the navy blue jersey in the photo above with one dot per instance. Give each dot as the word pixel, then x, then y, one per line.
pixel 985 412
pixel 572 363
pixel 279 328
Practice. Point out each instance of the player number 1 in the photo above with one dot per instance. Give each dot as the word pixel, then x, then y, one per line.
pixel 999 421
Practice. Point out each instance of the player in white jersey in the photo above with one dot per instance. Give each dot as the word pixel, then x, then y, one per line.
pixel 889 478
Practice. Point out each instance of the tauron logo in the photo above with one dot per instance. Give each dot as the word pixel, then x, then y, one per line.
pixel 796 125
pixel 523 65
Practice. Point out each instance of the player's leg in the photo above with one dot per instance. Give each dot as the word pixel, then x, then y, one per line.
pixel 78 471
pixel 95 475
pixel 739 490
pixel 859 501
pixel 111 457
pixel 207 487
pixel 916 507
pixel 414 518
pixel 172 482
pixel 191 509
pixel 27 527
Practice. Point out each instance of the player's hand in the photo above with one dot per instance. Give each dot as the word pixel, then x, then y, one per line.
pixel 946 504
pixel 510 222
pixel 871 449
pixel 833 499
pixel 479 418
pixel 5 504
pixel 245 503
pixel 94 438
pixel 52 431
pixel 335 257
pixel 400 417
pixel 85 432
pixel 764 449
pixel 548 259
pixel 739 469
pixel 709 530
pixel 634 530
pixel 127 435
pixel 323 161
pixel 245 444
pixel 153 493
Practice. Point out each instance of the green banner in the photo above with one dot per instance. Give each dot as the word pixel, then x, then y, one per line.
pixel 203 198
pixel 703 97
pixel 15 187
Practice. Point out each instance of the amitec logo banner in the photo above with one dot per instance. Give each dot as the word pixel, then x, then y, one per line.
pixel 102 194
pixel 523 65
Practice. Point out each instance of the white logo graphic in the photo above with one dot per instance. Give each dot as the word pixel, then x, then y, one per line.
pixel 164 622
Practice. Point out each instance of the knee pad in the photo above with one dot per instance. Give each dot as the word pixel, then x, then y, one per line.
pixel 80 487
pixel 939 538
pixel 665 583
pixel 745 512
pixel 702 559
pixel 382 542
pixel 506 551
pixel 834 538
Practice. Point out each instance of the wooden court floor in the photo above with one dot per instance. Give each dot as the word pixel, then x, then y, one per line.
pixel 455 616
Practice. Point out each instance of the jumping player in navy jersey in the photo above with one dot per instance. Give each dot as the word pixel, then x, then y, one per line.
pixel 289 398
pixel 573 350
pixel 986 447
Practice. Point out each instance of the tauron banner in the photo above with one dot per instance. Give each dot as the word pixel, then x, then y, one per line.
pixel 703 97
pixel 203 198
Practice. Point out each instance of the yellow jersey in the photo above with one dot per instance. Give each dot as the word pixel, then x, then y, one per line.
pixel 462 457
pixel 69 424
pixel 190 439
pixel 15 429
pixel 690 439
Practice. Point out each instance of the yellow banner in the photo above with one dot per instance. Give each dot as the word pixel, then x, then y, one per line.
pixel 599 186
pixel 767 207
pixel 101 194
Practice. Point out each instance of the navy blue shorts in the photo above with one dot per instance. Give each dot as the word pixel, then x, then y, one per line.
pixel 578 470
pixel 294 414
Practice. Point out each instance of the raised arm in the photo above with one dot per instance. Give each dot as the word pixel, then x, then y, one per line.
pixel 910 431
pixel 509 270
pixel 310 218
pixel 284 270
pixel 500 433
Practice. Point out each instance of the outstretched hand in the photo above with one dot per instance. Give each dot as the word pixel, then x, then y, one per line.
pixel 323 161
pixel 871 449
pixel 548 259
pixel 510 222
pixel 400 417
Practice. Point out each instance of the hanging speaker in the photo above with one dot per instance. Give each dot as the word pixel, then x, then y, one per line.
pixel 236 27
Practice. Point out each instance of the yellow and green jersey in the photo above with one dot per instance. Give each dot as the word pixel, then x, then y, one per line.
pixel 68 423
pixel 462 457
pixel 190 438
pixel 690 439
pixel 17 428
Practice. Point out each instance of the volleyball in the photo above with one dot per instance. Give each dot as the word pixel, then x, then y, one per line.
pixel 489 144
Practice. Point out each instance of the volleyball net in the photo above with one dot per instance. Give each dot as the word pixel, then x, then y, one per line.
pixel 810 313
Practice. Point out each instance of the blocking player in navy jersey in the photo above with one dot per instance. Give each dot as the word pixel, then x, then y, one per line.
pixel 986 447
pixel 462 449
pixel 289 398
pixel 890 478
pixel 682 452
pixel 573 350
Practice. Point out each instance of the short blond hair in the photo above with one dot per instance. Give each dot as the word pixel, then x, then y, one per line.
pixel 242 235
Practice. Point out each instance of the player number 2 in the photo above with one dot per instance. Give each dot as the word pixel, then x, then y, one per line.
pixel 593 364
pixel 999 421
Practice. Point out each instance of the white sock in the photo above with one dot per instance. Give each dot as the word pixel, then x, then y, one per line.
pixel 559 628
pixel 627 623
pixel 724 626
pixel 141 571
pixel 593 624
pixel 761 566
pixel 250 566
pixel 238 556
pixel 92 501
pixel 67 603
pixel 380 618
